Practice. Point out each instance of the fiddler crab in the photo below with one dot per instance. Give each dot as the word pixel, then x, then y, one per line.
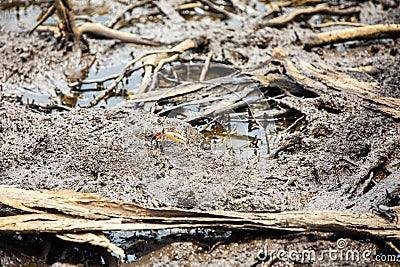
pixel 171 134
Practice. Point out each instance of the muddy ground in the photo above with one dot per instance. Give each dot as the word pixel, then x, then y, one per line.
pixel 344 156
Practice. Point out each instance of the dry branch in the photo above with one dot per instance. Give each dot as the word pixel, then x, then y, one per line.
pixel 70 31
pixel 127 10
pixel 157 62
pixel 69 211
pixel 100 30
pixel 49 12
pixel 361 33
pixel 285 19
pixel 217 9
pixel 204 71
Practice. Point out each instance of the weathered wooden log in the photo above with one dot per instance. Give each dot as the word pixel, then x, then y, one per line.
pixel 69 212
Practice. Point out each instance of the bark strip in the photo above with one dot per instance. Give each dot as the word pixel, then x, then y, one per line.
pixel 70 212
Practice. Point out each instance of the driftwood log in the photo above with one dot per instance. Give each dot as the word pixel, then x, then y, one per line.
pixel 368 32
pixel 71 212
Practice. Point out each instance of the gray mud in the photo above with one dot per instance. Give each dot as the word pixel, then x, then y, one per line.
pixel 345 155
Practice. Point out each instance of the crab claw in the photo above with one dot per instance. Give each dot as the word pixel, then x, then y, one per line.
pixel 175 136
pixel 156 137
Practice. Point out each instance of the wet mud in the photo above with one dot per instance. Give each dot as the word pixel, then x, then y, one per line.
pixel 343 154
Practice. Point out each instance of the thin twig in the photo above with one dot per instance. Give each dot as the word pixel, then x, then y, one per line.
pixel 189 6
pixel 369 32
pixel 206 66
pixel 105 79
pixel 159 67
pixel 155 61
pixel 396 249
pixel 103 31
pixel 50 11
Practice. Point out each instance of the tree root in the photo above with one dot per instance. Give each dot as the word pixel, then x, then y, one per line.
pixel 163 57
pixel 69 31
pixel 360 33
pixel 336 23
pixel 286 19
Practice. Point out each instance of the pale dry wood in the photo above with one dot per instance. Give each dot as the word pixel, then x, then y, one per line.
pixel 100 30
pixel 69 211
pixel 324 75
pixel 189 6
pixel 285 19
pixel 369 32
pixel 70 31
pixel 166 94
pixel 303 79
pixel 336 79
pixel 49 12
pixel 66 20
pixel 337 23
pixel 160 65
pixel 93 239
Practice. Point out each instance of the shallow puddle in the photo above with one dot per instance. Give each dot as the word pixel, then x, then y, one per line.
pixel 233 112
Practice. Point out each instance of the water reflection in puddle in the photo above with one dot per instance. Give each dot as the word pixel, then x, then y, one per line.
pixel 232 111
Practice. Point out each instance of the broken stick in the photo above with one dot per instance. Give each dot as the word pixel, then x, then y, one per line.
pixel 360 33
pixel 100 30
pixel 285 19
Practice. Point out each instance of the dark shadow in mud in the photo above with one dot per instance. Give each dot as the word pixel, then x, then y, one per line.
pixel 46 249
pixel 140 246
